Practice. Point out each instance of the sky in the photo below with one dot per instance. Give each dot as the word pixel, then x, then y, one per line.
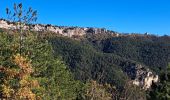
pixel 127 16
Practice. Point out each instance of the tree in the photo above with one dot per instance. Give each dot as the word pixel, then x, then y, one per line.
pixel 95 91
pixel 161 91
pixel 17 82
pixel 48 72
pixel 21 18
pixel 132 92
pixel 54 78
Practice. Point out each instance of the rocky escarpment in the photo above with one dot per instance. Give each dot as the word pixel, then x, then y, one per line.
pixel 141 76
pixel 65 31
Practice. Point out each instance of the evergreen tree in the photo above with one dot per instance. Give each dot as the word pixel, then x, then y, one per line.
pixel 54 78
pixel 161 91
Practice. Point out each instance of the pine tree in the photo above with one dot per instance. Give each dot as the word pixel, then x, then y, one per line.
pixel 21 18
pixel 161 91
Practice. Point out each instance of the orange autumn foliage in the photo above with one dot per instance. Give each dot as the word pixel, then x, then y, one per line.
pixel 23 75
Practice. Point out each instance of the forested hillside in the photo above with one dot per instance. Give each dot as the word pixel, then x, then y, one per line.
pixel 34 71
pixel 153 51
pixel 91 64
pixel 109 59
pixel 68 66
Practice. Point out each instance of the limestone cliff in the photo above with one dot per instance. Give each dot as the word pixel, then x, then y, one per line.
pixel 65 31
pixel 141 76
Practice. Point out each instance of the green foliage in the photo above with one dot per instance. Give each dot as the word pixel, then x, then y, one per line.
pixel 106 59
pixel 21 17
pixel 131 92
pixel 150 50
pixel 95 91
pixel 17 83
pixel 52 74
pixel 161 91
pixel 86 63
pixel 103 59
pixel 37 70
pixel 61 83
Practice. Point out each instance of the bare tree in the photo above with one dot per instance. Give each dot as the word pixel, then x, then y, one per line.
pixel 21 18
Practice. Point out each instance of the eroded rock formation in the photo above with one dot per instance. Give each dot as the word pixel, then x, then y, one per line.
pixel 65 31
pixel 142 76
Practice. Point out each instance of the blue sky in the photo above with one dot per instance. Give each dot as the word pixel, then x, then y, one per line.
pixel 126 16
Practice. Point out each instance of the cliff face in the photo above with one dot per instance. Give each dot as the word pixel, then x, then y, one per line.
pixel 141 76
pixel 65 31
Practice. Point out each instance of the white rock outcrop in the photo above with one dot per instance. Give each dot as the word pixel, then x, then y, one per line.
pixel 144 77
pixel 66 31
pixel 150 78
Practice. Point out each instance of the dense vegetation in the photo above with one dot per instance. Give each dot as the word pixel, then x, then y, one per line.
pixel 45 66
pixel 161 91
pixel 91 57
pixel 87 64
pixel 37 63
pixel 53 67
pixel 150 50
pixel 106 59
